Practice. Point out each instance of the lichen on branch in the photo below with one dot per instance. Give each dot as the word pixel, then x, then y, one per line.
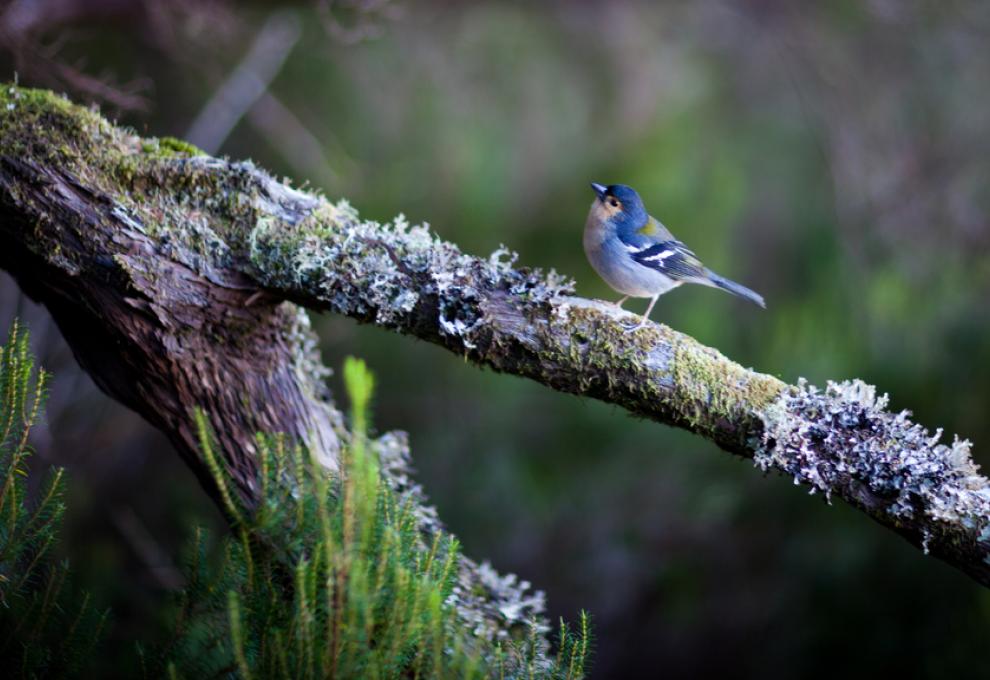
pixel 162 248
pixel 842 442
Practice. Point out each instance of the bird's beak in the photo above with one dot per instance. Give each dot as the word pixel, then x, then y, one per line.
pixel 600 189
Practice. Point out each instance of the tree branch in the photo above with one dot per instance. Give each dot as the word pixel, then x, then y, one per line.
pixel 168 272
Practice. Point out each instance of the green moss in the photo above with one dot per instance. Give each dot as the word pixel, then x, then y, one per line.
pixel 659 372
pixel 45 126
pixel 140 175
pixel 170 147
pixel 712 388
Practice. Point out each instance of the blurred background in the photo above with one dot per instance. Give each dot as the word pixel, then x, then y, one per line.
pixel 833 156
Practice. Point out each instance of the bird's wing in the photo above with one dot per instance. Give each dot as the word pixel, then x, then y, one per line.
pixel 653 246
pixel 671 258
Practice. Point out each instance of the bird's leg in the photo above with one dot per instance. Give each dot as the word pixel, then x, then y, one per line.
pixel 646 315
pixel 619 303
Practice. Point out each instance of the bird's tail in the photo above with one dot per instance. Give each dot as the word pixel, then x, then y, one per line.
pixel 736 289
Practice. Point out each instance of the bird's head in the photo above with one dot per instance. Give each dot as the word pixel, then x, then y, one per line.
pixel 618 205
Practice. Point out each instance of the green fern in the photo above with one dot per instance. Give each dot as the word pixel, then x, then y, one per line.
pixel 329 576
pixel 45 631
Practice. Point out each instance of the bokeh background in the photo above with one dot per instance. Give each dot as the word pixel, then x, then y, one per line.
pixel 833 156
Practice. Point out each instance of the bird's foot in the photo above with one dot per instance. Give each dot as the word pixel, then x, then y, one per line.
pixel 646 316
pixel 633 329
pixel 619 303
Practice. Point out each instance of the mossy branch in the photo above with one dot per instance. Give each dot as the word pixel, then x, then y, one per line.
pixel 154 248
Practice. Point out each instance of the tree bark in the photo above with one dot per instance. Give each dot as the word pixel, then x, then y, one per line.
pixel 179 281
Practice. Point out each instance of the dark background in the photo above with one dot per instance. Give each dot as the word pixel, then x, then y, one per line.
pixel 833 156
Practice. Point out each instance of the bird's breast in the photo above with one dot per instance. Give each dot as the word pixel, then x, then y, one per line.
pixel 611 259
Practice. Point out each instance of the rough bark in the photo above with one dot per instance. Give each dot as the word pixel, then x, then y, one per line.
pixel 178 279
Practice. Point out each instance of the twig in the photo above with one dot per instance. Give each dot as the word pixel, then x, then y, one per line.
pixel 247 83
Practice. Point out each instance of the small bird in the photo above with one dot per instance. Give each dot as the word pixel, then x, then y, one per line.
pixel 637 256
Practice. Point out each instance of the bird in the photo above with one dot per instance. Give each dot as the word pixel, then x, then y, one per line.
pixel 637 256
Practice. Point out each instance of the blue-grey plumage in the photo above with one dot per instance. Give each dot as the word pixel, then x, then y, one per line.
pixel 638 256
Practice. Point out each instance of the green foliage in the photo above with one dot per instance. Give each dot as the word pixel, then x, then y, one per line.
pixel 327 576
pixel 330 576
pixel 45 631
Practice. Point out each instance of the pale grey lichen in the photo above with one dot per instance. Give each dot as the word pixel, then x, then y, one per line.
pixel 520 605
pixel 297 242
pixel 234 225
pixel 383 271
pixel 842 441
pixel 493 606
pixel 211 214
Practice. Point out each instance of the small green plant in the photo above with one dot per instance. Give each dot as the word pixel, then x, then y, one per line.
pixel 326 576
pixel 330 576
pixel 44 630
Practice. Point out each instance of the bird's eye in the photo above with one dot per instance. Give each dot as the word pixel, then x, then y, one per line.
pixel 614 203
